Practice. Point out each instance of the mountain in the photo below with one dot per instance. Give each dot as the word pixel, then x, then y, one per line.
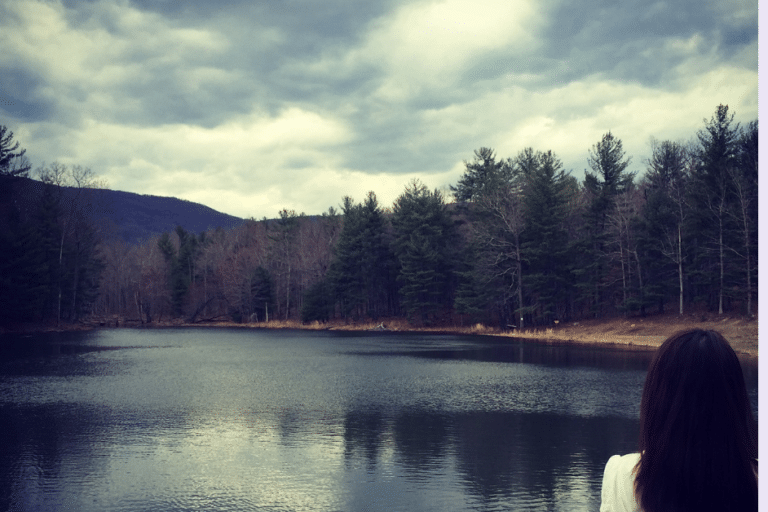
pixel 138 217
pixel 125 215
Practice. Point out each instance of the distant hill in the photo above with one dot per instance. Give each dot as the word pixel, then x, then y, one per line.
pixel 134 217
pixel 138 217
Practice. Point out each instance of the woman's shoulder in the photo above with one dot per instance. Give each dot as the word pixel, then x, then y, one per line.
pixel 618 491
pixel 623 463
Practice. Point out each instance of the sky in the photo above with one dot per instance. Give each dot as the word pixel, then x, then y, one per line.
pixel 250 107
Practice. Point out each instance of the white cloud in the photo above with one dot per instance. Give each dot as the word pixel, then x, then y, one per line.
pixel 427 44
pixel 570 119
pixel 254 159
pixel 90 52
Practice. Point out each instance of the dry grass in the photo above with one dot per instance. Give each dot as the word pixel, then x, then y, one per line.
pixel 652 330
pixel 649 331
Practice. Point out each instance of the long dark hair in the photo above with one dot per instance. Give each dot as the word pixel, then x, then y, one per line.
pixel 698 437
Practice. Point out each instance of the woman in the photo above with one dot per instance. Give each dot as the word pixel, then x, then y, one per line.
pixel 698 438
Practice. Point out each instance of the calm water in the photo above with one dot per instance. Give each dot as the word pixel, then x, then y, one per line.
pixel 213 419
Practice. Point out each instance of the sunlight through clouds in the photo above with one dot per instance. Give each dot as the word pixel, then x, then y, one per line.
pixel 429 43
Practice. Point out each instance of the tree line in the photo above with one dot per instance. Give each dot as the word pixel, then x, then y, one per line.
pixel 520 243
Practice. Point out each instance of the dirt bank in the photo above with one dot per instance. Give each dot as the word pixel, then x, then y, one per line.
pixel 651 331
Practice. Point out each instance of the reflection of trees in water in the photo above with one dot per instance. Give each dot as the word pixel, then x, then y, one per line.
pixel 499 456
pixel 421 439
pixel 500 350
pixel 364 432
pixel 36 441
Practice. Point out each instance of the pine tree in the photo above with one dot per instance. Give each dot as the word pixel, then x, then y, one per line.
pixel 13 162
pixel 41 243
pixel 423 234
pixel 545 246
pixel 744 176
pixel 359 275
pixel 472 297
pixel 713 197
pixel 84 272
pixel 181 265
pixel 482 175
pixel 497 224
pixel 661 224
pixel 610 178
pixel 261 293
pixel 26 282
pixel 318 303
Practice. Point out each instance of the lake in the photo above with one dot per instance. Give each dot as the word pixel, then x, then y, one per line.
pixel 239 419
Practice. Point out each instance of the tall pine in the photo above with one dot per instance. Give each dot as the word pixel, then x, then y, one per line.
pixel 423 239
pixel 360 274
pixel 545 245
pixel 610 178
pixel 713 200
pixel 661 225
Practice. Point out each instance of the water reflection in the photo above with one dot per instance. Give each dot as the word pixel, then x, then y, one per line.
pixel 515 350
pixel 234 420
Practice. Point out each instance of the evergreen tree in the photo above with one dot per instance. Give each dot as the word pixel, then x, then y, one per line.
pixel 41 243
pixel 472 296
pixel 661 224
pixel 359 275
pixel 423 234
pixel 497 223
pixel 262 296
pixel 482 175
pixel 713 197
pixel 27 265
pixel 12 159
pixel 181 265
pixel 84 271
pixel 744 176
pixel 610 178
pixel 545 246
pixel 318 302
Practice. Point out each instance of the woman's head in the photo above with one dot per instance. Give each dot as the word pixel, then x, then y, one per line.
pixel 697 432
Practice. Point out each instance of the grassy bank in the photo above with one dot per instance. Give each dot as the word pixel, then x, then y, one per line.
pixel 647 332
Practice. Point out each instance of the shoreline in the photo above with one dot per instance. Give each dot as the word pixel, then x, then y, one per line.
pixel 634 334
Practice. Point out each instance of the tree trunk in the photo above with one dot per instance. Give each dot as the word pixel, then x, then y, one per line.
pixel 623 277
pixel 288 293
pixel 138 307
pixel 73 316
pixel 722 266
pixel 519 278
pixel 680 264
pixel 640 283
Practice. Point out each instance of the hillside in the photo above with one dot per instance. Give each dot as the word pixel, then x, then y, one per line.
pixel 133 217
pixel 137 217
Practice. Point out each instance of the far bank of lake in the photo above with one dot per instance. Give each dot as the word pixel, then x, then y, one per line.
pixel 634 333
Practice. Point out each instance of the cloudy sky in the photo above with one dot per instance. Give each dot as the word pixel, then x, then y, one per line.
pixel 254 106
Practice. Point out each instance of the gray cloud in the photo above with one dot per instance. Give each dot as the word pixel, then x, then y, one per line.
pixel 238 98
pixel 17 95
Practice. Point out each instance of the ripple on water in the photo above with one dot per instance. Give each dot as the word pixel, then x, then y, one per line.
pixel 244 420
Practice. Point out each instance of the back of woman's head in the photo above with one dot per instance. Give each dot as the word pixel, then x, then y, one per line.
pixel 698 438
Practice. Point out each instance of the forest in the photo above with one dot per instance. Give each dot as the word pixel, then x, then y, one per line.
pixel 518 242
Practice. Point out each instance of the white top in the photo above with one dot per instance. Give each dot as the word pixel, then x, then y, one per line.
pixel 618 494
